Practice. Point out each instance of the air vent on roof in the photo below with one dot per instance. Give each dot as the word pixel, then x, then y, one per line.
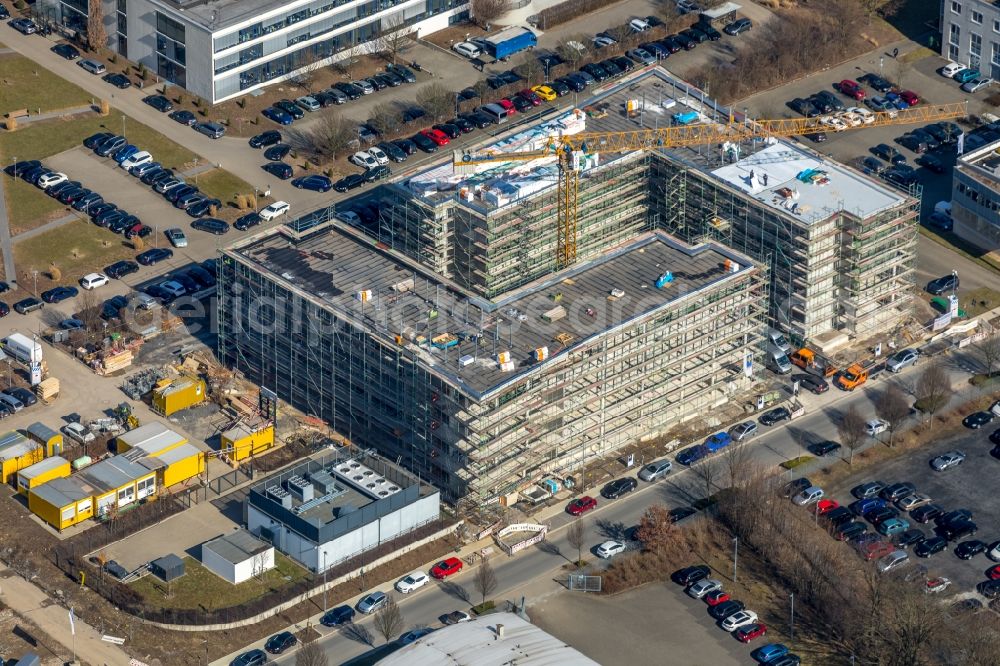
pixel 323 482
pixel 301 488
pixel 280 495
pixel 366 480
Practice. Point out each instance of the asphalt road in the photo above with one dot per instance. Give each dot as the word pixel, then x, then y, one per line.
pixel 537 567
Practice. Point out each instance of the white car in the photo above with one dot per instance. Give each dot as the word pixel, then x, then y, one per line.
pixel 808 496
pixel 837 124
pixel 737 620
pixel 94 280
pixel 893 560
pixel 467 49
pixel 976 85
pixel 603 40
pixel 851 119
pixel 277 209
pixel 364 160
pixel 78 432
pixel 947 460
pixel 138 159
pixel 703 587
pixel 638 25
pixel 994 552
pixel 609 549
pixel 411 582
pixel 176 237
pixel 935 585
pixel 379 155
pixel 50 179
pixel 176 289
pixel 951 69
pixel 911 502
pixel 876 427
pixel 867 117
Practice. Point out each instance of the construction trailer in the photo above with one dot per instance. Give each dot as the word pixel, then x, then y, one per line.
pixel 63 502
pixel 245 440
pixel 173 395
pixel 16 453
pixel 55 467
pixel 51 440
pixel 152 439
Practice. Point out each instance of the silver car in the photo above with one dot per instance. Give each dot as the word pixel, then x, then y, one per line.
pixel 703 587
pixel 743 431
pixel 948 460
pixel 372 602
pixel 893 560
pixel 901 359
pixel 655 470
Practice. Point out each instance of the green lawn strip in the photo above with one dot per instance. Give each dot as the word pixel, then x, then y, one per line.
pixel 199 587
pixel 76 248
pixel 28 85
pixel 220 184
pixel 966 249
pixel 27 206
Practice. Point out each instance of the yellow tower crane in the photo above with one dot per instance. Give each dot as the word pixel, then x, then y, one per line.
pixel 571 150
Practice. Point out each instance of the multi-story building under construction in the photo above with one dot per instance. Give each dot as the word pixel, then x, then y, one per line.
pixel 447 336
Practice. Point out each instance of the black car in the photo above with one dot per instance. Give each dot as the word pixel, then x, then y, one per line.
pixel 211 225
pixel 611 68
pixel 477 118
pixel 203 207
pixel 888 153
pixel 848 531
pixel 926 138
pixel 695 34
pixel 423 143
pixel 277 152
pixel 930 546
pixel 811 383
pixel 931 163
pixel 957 530
pixel 268 138
pixel 775 415
pixel 619 487
pixel 251 658
pixel 823 448
pixel 352 92
pixel 401 72
pixel 830 100
pixel 278 170
pixel 159 102
pixel 680 513
pixel 521 104
pixel 407 146
pixel 795 487
pixel 280 642
pixel 29 304
pixel 174 194
pixel 184 117
pixel 738 26
pixel 148 177
pixel 394 152
pixel 452 131
pixel 291 108
pixel 878 516
pixel 821 104
pixel 977 420
pixel 575 83
pixel 351 182
pixel 989 588
pixel 67 51
pixel 315 182
pixel 816 137
pixel 101 209
pixel 153 256
pixel 897 491
pixel 689 575
pixel 726 608
pixel 909 538
pixel 246 221
pixel 595 71
pixel 560 87
pixel 337 616
pixel 110 145
pixel 942 284
pixel 969 549
pixel 900 177
pixel 876 82
pixel 461 122
pixel 712 33
pixel 926 513
pixel 912 142
pixel 119 81
pixel 58 294
pixel 803 107
pixel 672 44
pixel 120 269
pixel 22 394
pixel 202 277
pixel 866 490
pixel 839 517
pixel 376 173
pixel 17 168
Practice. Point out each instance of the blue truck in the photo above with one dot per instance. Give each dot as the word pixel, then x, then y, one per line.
pixel 509 41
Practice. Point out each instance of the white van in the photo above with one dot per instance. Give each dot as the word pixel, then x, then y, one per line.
pixel 92 66
pixel 778 340
pixel 778 360
pixel 497 114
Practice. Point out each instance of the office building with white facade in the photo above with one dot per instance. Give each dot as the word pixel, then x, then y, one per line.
pixel 970 34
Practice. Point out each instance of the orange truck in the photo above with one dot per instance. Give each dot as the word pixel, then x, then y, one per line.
pixel 812 362
pixel 857 374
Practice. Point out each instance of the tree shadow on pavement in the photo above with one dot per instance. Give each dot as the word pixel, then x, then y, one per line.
pixel 359 633
pixel 612 529
pixel 457 591
pixel 551 548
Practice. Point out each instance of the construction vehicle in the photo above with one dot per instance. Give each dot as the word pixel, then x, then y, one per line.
pixel 857 374
pixel 813 362
pixel 572 150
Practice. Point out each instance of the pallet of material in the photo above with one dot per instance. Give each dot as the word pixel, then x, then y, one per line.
pixel 115 362
pixel 47 390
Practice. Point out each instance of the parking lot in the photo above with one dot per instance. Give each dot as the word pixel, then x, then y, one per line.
pixel 967 486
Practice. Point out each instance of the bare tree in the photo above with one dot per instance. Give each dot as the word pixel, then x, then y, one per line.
pixel 737 458
pixel 576 536
pixel 988 352
pixel 436 100
pixel 530 69
pixel 572 50
pixel 671 16
pixel 485 580
pixel 348 60
pixel 311 654
pixel 484 12
pixel 307 66
pixel 385 119
pixel 851 428
pixel 393 37
pixel 389 620
pixel 891 407
pixel 622 34
pixel 933 390
pixel 706 471
pixel 325 140
pixel 97 35
pixel 656 528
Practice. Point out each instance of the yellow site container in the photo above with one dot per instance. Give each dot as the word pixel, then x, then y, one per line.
pixel 51 439
pixel 182 463
pixel 62 502
pixel 244 441
pixel 16 453
pixel 171 396
pixel 37 474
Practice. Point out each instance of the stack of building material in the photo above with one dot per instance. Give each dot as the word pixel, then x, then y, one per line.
pixel 115 361
pixel 48 390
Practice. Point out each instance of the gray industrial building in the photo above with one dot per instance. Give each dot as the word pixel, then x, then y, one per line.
pixel 970 34
pixel 975 197
pixel 328 510
pixel 447 336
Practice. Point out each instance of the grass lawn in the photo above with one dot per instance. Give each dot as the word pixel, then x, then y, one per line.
pixel 27 85
pixel 221 184
pixel 76 248
pixel 199 587
pixel 27 206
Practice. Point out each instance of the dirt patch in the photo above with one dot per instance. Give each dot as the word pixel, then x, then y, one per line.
pixel 19 635
pixel 454 34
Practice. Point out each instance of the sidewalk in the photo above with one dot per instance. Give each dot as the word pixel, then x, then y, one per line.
pixel 27 600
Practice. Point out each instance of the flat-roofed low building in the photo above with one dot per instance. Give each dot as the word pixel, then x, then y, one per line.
pixel 975 197
pixel 237 556
pixel 45 470
pixel 16 453
pixel 152 439
pixel 63 502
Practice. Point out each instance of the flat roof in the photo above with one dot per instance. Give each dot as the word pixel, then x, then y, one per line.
pixel 151 438
pixel 113 473
pixel 476 643
pixel 45 465
pixel 217 15
pixel 41 431
pixel 987 161
pixel 236 547
pixel 14 445
pixel 64 491
pixel 464 337
pixel 182 452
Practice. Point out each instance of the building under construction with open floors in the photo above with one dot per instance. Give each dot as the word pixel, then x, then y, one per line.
pixel 839 246
pixel 483 396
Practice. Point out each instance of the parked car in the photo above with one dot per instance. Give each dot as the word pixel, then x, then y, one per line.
pixel 947 460
pixel 655 471
pixel 977 420
pixel 930 546
pixel 27 305
pixel 411 582
pixel 153 256
pixel 280 642
pixel 774 416
pixel 268 138
pixel 619 487
pixel 446 568
pixel 337 616
pixel 689 575
pixel 184 117
pixel 808 496
pixel 738 27
pixel 251 658
pixel 581 505
pixel 78 432
pixel 702 587
pixel 274 210
pixel 372 602
pixel 211 130
pixel 823 448
pixel 610 548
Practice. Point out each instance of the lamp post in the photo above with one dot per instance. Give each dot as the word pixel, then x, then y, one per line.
pixel 324 582
pixel 34 275
pixel 736 554
pixel 123 124
pixel 791 626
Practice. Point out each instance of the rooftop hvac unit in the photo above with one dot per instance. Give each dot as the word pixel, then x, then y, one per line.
pixel 301 488
pixel 281 496
pixel 366 480
pixel 466 360
pixel 323 482
pixel 507 367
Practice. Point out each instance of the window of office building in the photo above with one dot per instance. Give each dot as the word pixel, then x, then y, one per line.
pixel 976 45
pixel 956 32
pixel 996 53
pixel 996 25
pixel 170 39
pixel 976 17
pixel 171 71
pixel 956 7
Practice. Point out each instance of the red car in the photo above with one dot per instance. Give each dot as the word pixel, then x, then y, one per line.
pixel 437 136
pixel 851 89
pixel 748 632
pixel 993 573
pixel 716 598
pixel 825 506
pixel 910 97
pixel 446 568
pixel 508 106
pixel 531 96
pixel 581 505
